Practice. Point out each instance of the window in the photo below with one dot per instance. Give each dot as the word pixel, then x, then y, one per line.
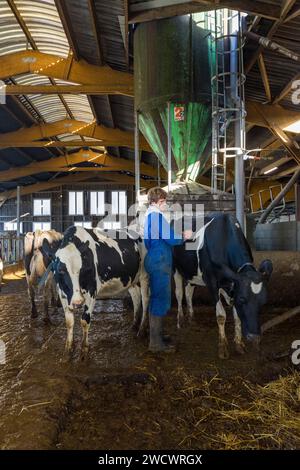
pixel 81 223
pixel 111 225
pixel 97 203
pixel 8 226
pixel 41 207
pixel 118 202
pixel 75 202
pixel 41 226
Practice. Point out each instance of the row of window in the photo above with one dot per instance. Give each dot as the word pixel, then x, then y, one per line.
pixel 97 203
pixel 107 225
pixel 42 207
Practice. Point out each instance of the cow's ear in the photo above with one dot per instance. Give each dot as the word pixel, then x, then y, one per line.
pixel 48 250
pixel 266 269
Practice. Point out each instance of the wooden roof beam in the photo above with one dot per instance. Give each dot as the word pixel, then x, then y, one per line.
pixel 272 114
pixel 105 135
pixel 285 9
pixel 67 69
pixel 67 161
pixel 45 185
pixel 264 76
pixel 137 14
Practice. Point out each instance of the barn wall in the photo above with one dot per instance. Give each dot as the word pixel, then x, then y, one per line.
pixel 60 219
pixel 277 236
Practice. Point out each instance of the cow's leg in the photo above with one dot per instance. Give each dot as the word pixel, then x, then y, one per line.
pixel 85 325
pixel 239 344
pixel 144 281
pixel 31 293
pixel 179 296
pixel 135 293
pixel 221 320
pixel 69 318
pixel 47 297
pixel 55 300
pixel 189 291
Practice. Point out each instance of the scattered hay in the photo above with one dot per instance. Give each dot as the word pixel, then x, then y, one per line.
pixel 237 414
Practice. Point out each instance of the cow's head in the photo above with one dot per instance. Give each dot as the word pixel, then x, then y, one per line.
pixel 249 295
pixel 67 264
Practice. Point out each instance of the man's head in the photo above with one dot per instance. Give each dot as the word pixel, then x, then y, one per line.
pixel 157 196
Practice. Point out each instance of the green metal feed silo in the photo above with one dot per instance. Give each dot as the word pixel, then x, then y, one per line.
pixel 172 64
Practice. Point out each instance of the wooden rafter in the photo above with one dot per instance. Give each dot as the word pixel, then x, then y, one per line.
pixel 263 9
pixel 264 76
pixel 66 22
pixel 275 114
pixel 45 185
pixel 108 136
pixel 286 8
pixel 66 69
pixel 67 161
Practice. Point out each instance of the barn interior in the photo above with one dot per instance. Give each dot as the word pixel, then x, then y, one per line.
pixel 100 101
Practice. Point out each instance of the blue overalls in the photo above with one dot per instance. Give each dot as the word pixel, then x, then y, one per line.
pixel 159 239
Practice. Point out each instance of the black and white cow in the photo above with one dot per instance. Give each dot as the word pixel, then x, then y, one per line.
pixel 223 262
pixel 89 262
pixel 36 265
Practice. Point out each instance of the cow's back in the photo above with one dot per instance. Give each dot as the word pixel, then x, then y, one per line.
pixel 224 242
pixel 33 258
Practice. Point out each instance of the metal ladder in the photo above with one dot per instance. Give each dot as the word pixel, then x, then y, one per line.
pixel 226 109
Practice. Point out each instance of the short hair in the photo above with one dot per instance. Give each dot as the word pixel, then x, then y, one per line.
pixel 155 194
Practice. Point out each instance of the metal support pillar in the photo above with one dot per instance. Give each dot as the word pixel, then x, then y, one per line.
pixel 169 148
pixel 137 156
pixel 239 182
pixel 18 210
pixel 236 69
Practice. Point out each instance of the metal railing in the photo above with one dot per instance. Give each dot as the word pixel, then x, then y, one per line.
pixel 272 192
pixel 11 248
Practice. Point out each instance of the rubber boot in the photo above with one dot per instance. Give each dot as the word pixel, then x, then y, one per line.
pixel 157 343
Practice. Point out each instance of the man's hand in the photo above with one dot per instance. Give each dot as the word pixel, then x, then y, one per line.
pixel 188 234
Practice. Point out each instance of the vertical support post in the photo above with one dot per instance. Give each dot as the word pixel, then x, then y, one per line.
pixel 297 200
pixel 169 148
pixel 137 155
pixel 237 103
pixel 239 177
pixel 18 209
pixel 158 173
pixel 17 244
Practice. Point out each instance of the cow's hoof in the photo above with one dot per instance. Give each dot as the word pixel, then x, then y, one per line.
pixel 34 314
pixel 240 347
pixel 223 351
pixel 135 326
pixel 142 331
pixel 84 353
pixel 191 319
pixel 180 322
pixel 50 321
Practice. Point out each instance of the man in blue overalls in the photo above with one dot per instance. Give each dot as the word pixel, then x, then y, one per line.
pixel 159 239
